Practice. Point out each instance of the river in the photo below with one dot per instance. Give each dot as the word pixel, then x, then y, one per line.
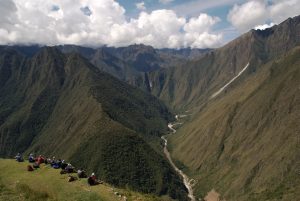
pixel 187 182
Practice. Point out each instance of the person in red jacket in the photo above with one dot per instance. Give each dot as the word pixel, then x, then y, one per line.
pixel 93 176
pixel 92 180
pixel 40 159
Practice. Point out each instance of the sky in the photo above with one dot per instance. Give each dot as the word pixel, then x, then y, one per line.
pixel 159 23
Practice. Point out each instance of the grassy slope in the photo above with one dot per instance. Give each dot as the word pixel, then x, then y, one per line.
pixel 16 183
pixel 82 114
pixel 245 143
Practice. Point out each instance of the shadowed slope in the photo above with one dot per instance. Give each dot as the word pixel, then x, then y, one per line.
pixel 61 105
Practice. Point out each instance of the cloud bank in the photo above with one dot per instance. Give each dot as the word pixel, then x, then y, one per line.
pixel 261 13
pixel 100 22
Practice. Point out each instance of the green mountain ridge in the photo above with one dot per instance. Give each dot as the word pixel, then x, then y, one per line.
pixel 57 104
pixel 188 86
pixel 242 143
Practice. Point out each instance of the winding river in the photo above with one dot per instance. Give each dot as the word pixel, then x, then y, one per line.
pixel 187 182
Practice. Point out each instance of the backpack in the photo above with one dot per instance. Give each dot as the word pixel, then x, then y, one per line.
pixel 30 168
pixel 72 178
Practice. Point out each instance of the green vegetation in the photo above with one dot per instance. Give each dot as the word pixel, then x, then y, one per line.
pixel 241 143
pixel 56 104
pixel 47 184
pixel 246 145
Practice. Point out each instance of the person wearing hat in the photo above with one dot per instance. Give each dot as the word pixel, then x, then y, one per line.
pixel 69 168
pixel 92 180
pixel 93 176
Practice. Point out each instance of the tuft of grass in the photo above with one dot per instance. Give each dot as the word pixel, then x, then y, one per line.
pixel 29 194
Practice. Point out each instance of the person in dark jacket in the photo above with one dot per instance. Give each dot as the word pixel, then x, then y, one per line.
pixel 81 173
pixel 19 158
pixel 31 158
pixel 63 165
pixel 69 168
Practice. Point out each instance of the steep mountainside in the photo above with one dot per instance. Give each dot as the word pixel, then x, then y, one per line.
pixel 131 64
pixel 57 104
pixel 246 144
pixel 243 141
pixel 191 84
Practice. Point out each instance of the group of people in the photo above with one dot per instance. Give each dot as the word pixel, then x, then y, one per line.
pixel 66 168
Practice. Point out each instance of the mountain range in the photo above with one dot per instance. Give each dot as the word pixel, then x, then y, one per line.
pixel 61 105
pixel 106 108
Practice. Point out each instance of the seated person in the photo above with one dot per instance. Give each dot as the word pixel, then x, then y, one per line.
pixel 53 161
pixel 59 162
pixel 81 173
pixel 40 159
pixel 48 161
pixel 56 164
pixel 19 158
pixel 69 168
pixel 31 158
pixel 92 180
pixel 63 164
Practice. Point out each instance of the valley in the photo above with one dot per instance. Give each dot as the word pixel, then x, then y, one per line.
pixel 187 182
pixel 111 110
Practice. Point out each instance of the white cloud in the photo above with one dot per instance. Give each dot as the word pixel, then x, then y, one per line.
pixel 140 5
pixel 165 1
pixel 203 23
pixel 98 22
pixel 260 13
pixel 197 32
pixel 247 15
pixel 281 10
pixel 264 26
